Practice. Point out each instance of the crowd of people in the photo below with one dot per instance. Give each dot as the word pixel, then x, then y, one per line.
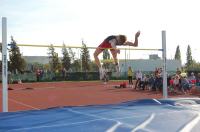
pixel 178 83
pixel 152 82
pixel 181 83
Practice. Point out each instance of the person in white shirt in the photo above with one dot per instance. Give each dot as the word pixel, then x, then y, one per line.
pixel 138 78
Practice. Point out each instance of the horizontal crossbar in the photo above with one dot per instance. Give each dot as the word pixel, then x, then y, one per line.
pixel 61 46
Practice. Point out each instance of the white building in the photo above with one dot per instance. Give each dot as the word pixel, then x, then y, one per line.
pixel 36 59
pixel 148 65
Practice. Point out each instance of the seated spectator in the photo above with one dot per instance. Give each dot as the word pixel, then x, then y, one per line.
pixel 178 71
pixel 192 79
pixel 146 82
pixel 176 83
pixel 171 84
pixel 138 78
pixel 158 82
pixel 151 82
pixel 185 87
pixel 143 82
pixel 198 80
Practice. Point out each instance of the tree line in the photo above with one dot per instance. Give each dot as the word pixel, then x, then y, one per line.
pixel 191 65
pixel 68 61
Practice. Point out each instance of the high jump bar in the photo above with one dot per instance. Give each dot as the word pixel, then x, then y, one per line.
pixel 61 46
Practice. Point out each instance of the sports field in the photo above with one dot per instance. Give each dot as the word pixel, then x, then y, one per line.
pixel 30 96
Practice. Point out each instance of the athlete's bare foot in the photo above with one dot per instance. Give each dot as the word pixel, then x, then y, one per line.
pixel 136 39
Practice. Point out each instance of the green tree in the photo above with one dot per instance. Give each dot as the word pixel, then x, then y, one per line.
pixel 189 60
pixel 75 62
pixel 195 67
pixel 85 58
pixel 17 63
pixel 93 66
pixel 53 59
pixel 76 65
pixel 177 54
pixel 36 66
pixel 71 54
pixel 66 60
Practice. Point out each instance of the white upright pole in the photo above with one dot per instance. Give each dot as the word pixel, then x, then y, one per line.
pixel 4 65
pixel 164 64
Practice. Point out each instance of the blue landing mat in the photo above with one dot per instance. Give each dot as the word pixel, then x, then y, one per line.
pixel 148 115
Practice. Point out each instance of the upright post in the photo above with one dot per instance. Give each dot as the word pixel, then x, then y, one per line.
pixel 4 65
pixel 164 64
pixel 125 64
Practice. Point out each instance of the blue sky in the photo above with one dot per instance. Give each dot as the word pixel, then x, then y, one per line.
pixel 70 21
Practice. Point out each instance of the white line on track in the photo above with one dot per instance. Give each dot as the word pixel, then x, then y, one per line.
pixel 21 103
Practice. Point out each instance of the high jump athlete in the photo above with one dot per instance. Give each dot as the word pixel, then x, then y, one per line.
pixel 111 42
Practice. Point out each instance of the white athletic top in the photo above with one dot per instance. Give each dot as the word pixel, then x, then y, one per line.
pixel 113 43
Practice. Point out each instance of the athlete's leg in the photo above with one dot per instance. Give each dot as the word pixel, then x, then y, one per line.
pixel 96 53
pixel 114 54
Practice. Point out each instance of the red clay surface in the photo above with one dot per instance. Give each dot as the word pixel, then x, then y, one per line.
pixel 29 96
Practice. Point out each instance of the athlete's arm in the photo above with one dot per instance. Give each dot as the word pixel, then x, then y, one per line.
pixel 129 44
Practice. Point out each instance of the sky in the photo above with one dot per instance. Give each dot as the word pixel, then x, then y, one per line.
pixel 71 21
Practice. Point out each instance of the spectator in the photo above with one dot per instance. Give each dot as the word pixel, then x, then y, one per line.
pixel 178 71
pixel 151 82
pixel 171 84
pixel 41 74
pixel 198 79
pixel 176 83
pixel 64 73
pixel 130 76
pixel 38 74
pixel 138 78
pixel 144 82
pixel 158 80
pixel 192 79
pixel 185 87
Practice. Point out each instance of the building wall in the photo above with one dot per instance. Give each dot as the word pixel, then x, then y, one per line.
pixel 136 64
pixel 148 65
pixel 36 59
